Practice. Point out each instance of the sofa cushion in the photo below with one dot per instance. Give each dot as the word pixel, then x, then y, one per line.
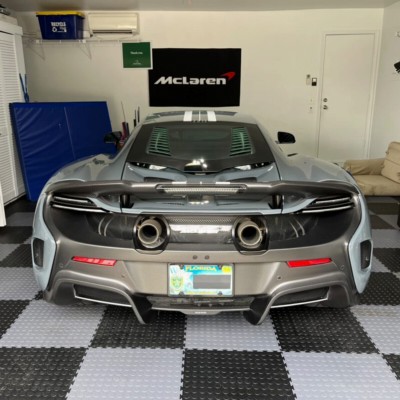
pixel 377 185
pixel 391 165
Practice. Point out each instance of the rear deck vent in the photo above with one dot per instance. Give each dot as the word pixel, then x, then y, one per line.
pixel 159 142
pixel 241 143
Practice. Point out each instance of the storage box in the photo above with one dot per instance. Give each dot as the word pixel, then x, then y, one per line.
pixel 61 25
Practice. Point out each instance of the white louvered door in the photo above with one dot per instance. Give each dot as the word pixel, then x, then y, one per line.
pixel 10 91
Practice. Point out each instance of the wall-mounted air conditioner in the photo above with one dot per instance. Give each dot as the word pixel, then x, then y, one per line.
pixel 113 23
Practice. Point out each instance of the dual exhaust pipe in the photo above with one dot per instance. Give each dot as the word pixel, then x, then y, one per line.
pixel 249 234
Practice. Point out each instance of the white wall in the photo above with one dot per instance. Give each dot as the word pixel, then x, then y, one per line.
pixel 278 50
pixel 386 126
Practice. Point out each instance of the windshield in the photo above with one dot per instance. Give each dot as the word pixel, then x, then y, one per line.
pixel 200 147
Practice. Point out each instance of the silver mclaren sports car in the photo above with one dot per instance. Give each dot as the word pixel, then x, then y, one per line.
pixel 202 212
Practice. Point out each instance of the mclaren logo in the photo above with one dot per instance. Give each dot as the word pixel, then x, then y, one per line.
pixel 184 80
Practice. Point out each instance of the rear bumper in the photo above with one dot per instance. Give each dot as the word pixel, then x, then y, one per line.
pixel 258 287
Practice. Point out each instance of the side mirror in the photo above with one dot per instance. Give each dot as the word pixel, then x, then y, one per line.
pixel 286 137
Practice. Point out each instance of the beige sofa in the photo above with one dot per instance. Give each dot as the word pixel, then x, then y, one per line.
pixel 379 176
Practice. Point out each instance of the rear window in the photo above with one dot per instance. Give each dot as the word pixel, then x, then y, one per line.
pixel 216 145
pixel 204 143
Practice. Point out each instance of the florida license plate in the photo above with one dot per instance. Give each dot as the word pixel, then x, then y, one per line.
pixel 200 280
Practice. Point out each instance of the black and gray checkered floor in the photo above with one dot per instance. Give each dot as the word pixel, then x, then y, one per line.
pixel 98 352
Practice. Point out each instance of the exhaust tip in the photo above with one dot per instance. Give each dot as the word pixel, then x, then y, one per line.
pixel 251 234
pixel 151 233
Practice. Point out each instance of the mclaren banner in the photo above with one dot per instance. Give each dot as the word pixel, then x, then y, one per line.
pixel 195 77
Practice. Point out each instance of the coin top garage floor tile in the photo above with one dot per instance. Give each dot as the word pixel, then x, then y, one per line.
pixel 14 234
pixel 47 325
pixel 113 373
pixel 320 330
pixel 377 266
pixel 45 373
pixel 229 331
pixel 342 376
pixel 120 328
pixel 394 362
pixel 386 238
pixel 389 257
pixel 382 324
pixel 101 352
pixel 235 375
pixel 20 257
pixel 17 284
pixel 383 288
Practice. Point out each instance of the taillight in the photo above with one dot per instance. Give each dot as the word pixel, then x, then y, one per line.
pixel 308 263
pixel 96 261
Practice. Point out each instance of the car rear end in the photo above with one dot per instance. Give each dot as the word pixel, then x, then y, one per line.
pixel 202 248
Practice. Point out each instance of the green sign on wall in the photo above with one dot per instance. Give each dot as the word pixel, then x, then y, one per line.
pixel 136 55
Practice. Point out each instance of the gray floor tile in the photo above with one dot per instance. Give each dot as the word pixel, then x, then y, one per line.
pixel 382 325
pixel 6 250
pixel 386 237
pixel 47 325
pixel 229 331
pixel 17 284
pixel 126 374
pixel 341 376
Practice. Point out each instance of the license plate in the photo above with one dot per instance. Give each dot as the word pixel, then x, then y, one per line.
pixel 200 280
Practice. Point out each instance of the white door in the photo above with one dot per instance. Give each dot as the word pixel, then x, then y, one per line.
pixel 346 96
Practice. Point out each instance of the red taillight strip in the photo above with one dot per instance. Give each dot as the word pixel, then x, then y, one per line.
pixel 97 261
pixel 308 263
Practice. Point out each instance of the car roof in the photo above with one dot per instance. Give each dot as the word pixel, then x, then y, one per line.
pixel 199 116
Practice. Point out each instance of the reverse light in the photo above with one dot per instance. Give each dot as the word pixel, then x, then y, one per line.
pixel 308 263
pixel 96 261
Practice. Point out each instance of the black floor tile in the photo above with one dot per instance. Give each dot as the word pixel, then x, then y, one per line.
pixel 384 208
pixel 9 312
pixel 394 361
pixel 20 257
pixel 39 295
pixel 235 375
pixel 379 223
pixel 30 373
pixel 390 258
pixel 383 288
pixel 320 330
pixel 120 328
pixel 15 234
pixel 20 205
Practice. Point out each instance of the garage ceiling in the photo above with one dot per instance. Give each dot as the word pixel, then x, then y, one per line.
pixel 191 5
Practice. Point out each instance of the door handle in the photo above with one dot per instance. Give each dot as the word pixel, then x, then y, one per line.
pixel 325 107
